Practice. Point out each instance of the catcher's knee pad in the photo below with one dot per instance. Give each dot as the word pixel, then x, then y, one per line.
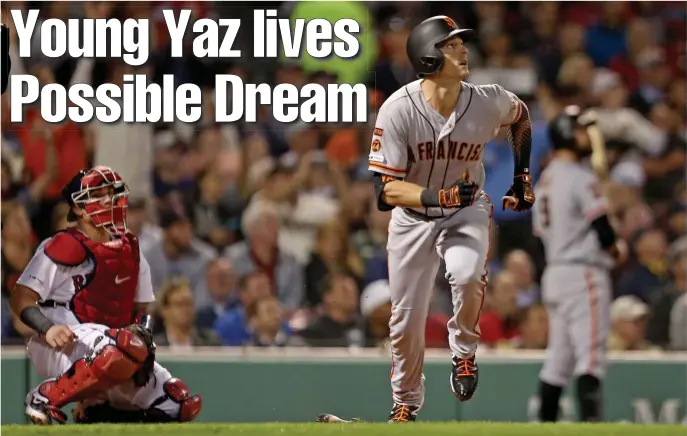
pixel 113 364
pixel 189 406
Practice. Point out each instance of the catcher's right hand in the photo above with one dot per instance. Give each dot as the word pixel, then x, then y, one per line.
pixel 142 376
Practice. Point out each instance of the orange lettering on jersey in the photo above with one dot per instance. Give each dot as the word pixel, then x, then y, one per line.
pixel 440 151
pixel 378 131
pixel 376 145
pixel 421 150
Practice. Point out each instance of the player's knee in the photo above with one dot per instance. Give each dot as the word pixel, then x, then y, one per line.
pixel 189 405
pixel 121 359
pixel 129 344
pixel 461 275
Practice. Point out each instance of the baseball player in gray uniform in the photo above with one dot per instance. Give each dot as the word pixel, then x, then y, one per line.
pixel 580 246
pixel 426 153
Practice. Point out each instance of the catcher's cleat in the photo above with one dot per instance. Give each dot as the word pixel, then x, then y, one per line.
pixel 400 413
pixel 328 418
pixel 41 412
pixel 464 378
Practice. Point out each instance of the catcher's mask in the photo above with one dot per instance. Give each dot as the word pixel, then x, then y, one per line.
pixel 103 196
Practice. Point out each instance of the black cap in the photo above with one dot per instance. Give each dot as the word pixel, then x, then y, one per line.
pixel 70 189
pixel 172 215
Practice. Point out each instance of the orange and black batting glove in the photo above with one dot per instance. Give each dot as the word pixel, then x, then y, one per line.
pixel 460 194
pixel 520 196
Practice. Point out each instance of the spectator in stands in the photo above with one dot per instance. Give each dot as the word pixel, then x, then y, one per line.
pixel 649 273
pixel 629 316
pixel 677 220
pixel 332 253
pixel 665 299
pixel 394 71
pixel 339 325
pixel 624 190
pixel 232 326
pixel 59 217
pixel 176 310
pixel 32 194
pixel 267 326
pixel 138 222
pixel 607 39
pixel 375 307
pixel 533 328
pixel 678 324
pixel 521 267
pixel 216 210
pixel 370 244
pixel 221 283
pixel 18 244
pixel 260 252
pixel 498 322
pixel 179 253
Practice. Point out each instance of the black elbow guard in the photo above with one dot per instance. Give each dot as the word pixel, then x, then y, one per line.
pixel 379 181
pixel 604 231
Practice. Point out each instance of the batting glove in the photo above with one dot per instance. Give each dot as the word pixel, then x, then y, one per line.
pixel 520 196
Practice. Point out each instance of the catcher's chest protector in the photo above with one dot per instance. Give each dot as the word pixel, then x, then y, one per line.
pixel 107 295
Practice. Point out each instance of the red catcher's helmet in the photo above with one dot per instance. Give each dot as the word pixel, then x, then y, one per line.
pixel 103 196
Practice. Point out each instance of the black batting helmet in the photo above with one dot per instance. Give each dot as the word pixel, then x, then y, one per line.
pixel 425 39
pixel 562 127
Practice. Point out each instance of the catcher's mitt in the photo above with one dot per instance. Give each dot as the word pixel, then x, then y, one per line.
pixel 142 376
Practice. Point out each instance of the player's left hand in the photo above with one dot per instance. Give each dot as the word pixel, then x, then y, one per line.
pixel 520 196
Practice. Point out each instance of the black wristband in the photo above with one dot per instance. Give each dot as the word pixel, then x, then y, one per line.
pixel 34 318
pixel 429 198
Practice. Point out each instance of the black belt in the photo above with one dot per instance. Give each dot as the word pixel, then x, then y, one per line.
pixel 422 216
pixel 53 303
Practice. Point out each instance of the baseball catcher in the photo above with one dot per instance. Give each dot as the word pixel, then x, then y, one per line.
pixel 85 294
pixel 112 375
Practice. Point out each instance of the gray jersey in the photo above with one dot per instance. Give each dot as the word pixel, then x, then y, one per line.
pixel 413 141
pixel 569 198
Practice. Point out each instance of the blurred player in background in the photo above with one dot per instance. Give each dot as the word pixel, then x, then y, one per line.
pixel 581 247
pixel 92 274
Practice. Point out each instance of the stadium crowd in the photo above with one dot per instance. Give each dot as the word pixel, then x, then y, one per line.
pixel 267 234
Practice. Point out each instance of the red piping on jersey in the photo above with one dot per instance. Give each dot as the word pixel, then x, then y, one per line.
pixel 594 319
pixel 517 116
pixel 387 168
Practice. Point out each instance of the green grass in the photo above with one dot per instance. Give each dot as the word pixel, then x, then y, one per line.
pixel 315 429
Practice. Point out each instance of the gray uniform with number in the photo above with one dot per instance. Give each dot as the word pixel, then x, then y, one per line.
pixel 576 285
pixel 414 142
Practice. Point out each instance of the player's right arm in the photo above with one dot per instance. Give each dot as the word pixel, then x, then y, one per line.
pixel 388 159
pixel 34 285
pixel 594 206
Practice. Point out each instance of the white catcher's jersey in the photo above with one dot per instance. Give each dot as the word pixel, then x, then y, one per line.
pixel 569 199
pixel 413 141
pixel 56 282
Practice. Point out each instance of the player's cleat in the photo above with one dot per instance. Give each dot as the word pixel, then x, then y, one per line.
pixel 400 413
pixel 40 412
pixel 328 418
pixel 464 377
